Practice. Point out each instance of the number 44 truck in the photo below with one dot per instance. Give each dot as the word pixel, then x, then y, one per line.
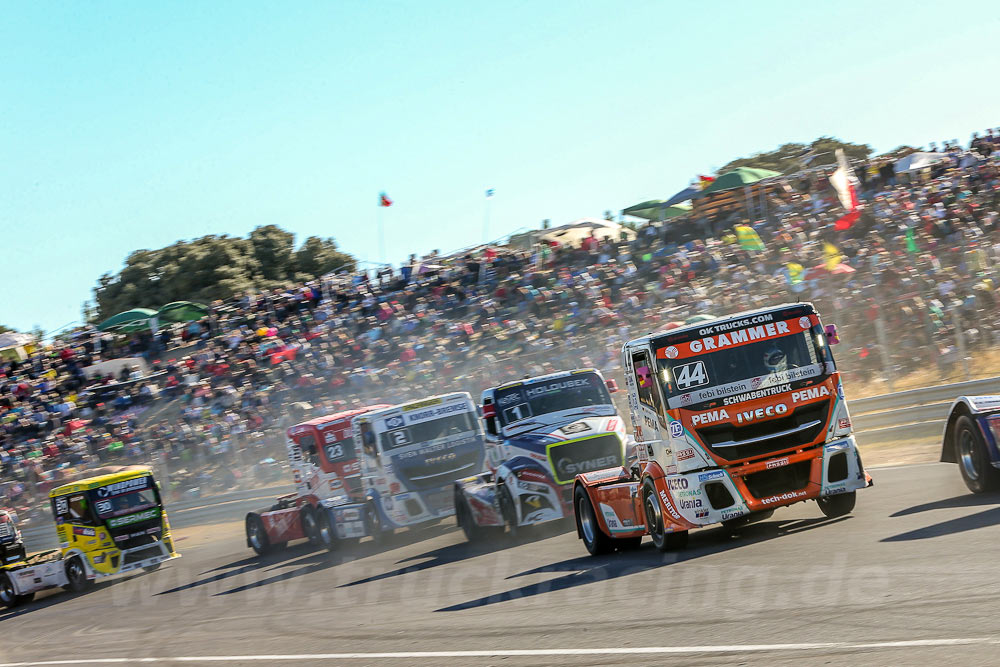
pixel 732 418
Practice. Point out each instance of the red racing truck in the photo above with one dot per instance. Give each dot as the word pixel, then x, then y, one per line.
pixel 732 418
pixel 328 503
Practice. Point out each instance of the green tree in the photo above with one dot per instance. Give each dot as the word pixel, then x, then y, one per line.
pixel 213 267
pixel 4 329
pixel 788 158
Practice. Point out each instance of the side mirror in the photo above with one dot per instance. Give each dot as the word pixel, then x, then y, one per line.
pixel 831 334
pixel 612 385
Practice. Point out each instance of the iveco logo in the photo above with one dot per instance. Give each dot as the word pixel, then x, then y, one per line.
pixel 567 467
pixel 443 457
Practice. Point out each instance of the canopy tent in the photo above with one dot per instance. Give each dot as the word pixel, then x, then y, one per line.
pixel 918 161
pixel 182 311
pixel 737 178
pixel 656 209
pixel 574 233
pixel 137 319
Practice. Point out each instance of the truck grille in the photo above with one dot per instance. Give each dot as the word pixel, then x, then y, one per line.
pixel 766 483
pixel 142 554
pixel 432 474
pixel 568 459
pixel 724 433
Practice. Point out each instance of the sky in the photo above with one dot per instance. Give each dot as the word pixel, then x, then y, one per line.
pixel 130 125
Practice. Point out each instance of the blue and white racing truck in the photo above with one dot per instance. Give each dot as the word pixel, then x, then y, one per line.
pixel 972 440
pixel 411 454
pixel 540 433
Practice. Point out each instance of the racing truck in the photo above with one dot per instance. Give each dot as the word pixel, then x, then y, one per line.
pixel 411 456
pixel 327 503
pixel 732 417
pixel 972 439
pixel 11 544
pixel 109 523
pixel 540 433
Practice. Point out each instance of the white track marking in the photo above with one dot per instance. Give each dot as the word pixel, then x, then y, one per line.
pixel 514 653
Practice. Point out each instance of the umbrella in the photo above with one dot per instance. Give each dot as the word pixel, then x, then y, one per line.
pixel 694 319
pixel 684 195
pixel 182 311
pixel 672 325
pixel 737 178
pixel 136 319
pixel 656 209
pixel 820 270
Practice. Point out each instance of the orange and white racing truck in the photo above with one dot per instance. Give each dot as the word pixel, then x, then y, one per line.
pixel 327 503
pixel 732 418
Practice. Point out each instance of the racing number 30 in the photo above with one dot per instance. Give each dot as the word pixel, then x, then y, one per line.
pixel 691 375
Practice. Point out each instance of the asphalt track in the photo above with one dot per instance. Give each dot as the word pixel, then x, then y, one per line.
pixel 909 578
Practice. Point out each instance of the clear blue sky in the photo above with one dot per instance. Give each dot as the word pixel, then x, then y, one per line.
pixel 127 125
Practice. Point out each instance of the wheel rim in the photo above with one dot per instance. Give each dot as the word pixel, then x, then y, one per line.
pixel 309 523
pixel 6 591
pixel 75 570
pixel 586 520
pixel 654 520
pixel 967 454
pixel 325 532
pixel 255 540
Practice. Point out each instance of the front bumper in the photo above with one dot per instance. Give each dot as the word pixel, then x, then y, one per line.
pixel 712 496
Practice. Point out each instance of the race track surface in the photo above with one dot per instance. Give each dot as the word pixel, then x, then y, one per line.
pixel 909 578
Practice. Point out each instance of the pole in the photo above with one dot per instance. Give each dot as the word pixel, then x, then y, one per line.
pixel 381 234
pixel 883 347
pixel 956 319
pixel 486 221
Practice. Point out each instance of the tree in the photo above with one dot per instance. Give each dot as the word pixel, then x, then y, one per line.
pixel 4 329
pixel 788 158
pixel 213 267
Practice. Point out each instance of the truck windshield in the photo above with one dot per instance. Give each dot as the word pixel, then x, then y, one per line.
pixel 123 498
pixel 721 371
pixel 426 431
pixel 574 391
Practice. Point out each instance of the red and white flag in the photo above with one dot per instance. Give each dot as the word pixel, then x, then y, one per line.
pixel 844 183
pixel 383 200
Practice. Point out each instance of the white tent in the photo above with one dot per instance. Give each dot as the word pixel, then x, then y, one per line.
pixel 574 233
pixel 918 161
pixel 15 339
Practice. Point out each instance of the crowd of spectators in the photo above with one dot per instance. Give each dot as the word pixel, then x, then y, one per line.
pixel 213 400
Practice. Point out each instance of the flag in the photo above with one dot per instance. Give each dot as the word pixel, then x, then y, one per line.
pixel 911 242
pixel 832 255
pixel 383 200
pixel 704 181
pixel 844 184
pixel 748 238
pixel 795 273
pixel 490 193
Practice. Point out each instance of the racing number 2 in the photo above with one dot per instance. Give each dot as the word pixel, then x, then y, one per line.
pixel 691 375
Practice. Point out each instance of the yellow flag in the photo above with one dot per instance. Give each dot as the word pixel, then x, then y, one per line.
pixel 832 256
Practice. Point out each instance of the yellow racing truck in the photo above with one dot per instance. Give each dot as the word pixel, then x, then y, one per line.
pixel 108 523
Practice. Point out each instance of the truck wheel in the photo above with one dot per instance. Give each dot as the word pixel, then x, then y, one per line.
pixel 76 575
pixel 465 520
pixel 594 539
pixel 326 532
pixel 373 522
pixel 309 525
pixel 838 505
pixel 508 511
pixel 256 535
pixel 662 540
pixel 8 598
pixel 973 458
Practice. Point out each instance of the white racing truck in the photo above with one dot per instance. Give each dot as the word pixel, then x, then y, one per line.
pixel 540 433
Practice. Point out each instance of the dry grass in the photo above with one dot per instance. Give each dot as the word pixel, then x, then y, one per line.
pixel 900 452
pixel 982 365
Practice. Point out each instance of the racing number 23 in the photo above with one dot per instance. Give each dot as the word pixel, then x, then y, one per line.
pixel 691 375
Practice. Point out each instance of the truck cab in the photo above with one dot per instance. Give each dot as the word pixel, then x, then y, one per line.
pixel 540 433
pixel 412 453
pixel 733 418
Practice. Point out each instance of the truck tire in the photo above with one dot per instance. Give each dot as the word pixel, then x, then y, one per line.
pixel 508 511
pixel 973 457
pixel 594 539
pixel 373 522
pixel 838 505
pixel 8 598
pixel 257 535
pixel 76 576
pixel 465 519
pixel 309 524
pixel 662 540
pixel 326 532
